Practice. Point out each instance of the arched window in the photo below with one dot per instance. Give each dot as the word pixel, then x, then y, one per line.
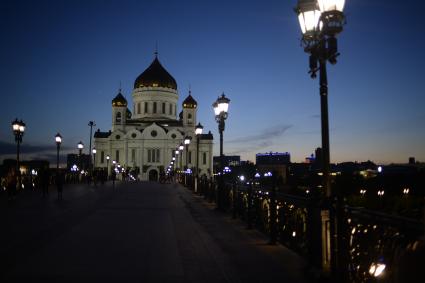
pixel 154 108
pixel 189 118
pixel 118 117
pixel 138 108
pixel 163 107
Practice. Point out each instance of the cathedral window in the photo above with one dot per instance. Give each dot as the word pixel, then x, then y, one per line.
pixel 154 155
pixel 204 158
pixel 138 108
pixel 146 107
pixel 133 155
pixel 102 157
pixel 117 156
pixel 118 117
pixel 171 109
pixel 163 107
pixel 189 118
pixel 154 108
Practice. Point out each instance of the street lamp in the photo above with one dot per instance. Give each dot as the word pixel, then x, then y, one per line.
pixel 221 106
pixel 321 21
pixel 181 147
pixel 80 147
pixel 186 143
pixel 107 166
pixel 18 128
pixel 91 125
pixel 58 139
pixel 198 133
pixel 94 157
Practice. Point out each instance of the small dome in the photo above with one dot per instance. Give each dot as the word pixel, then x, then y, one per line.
pixel 155 76
pixel 119 100
pixel 190 102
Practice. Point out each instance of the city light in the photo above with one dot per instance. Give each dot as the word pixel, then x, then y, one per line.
pixel 376 269
pixel 268 174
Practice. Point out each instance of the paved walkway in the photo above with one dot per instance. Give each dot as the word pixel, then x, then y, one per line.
pixel 137 232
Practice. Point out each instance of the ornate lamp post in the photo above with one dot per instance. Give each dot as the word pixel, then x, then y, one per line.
pixel 80 147
pixel 186 143
pixel 181 148
pixel 91 125
pixel 94 158
pixel 198 133
pixel 107 166
pixel 321 21
pixel 18 128
pixel 58 139
pixel 221 106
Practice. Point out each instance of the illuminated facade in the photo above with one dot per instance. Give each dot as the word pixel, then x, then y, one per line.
pixel 146 138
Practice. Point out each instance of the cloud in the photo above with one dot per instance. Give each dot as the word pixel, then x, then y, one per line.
pixel 266 134
pixel 256 142
pixel 34 152
pixel 10 148
pixel 252 148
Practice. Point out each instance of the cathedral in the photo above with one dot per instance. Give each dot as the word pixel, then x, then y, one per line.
pixel 145 140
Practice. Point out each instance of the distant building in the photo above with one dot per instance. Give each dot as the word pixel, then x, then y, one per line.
pixel 146 138
pixel 276 162
pixel 26 167
pixel 229 160
pixel 271 158
pixel 82 162
pixel 412 160
pixel 310 159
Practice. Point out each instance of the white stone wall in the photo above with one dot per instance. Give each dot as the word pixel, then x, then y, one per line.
pixel 152 137
pixel 147 96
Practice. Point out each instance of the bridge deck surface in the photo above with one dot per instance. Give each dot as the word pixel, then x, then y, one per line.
pixel 137 232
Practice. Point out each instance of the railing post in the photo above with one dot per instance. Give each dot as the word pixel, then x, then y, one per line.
pixel 273 216
pixel 341 238
pixel 314 233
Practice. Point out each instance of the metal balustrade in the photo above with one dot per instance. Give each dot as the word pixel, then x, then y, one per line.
pixel 371 246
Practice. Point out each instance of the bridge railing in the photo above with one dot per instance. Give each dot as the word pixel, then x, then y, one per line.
pixel 378 243
pixel 371 244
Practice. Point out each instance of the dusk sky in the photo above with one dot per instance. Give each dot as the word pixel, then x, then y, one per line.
pixel 62 63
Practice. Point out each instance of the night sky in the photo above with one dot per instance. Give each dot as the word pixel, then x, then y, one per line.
pixel 62 63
